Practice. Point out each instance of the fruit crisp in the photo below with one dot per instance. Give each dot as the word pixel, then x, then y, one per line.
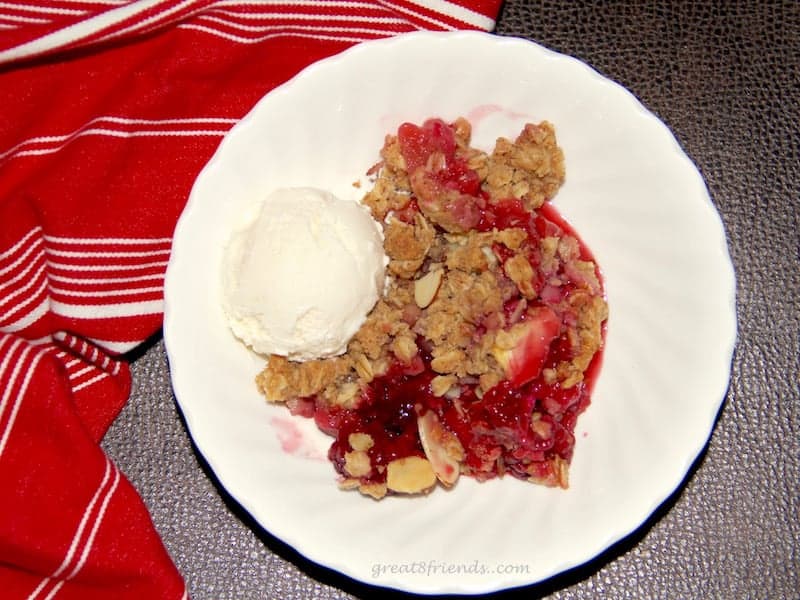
pixel 479 357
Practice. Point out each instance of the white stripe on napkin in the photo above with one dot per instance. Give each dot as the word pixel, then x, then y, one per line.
pixel 121 127
pixel 22 367
pixel 80 30
pixel 82 541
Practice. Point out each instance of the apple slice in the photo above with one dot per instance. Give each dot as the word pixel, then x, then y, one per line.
pixel 522 349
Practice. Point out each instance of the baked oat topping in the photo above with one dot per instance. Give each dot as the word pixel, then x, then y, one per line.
pixel 478 358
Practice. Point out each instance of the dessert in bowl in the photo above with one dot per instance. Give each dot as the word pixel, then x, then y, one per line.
pixel 636 201
pixel 480 354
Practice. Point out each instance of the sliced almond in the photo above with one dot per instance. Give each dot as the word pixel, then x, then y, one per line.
pixel 442 448
pixel 425 287
pixel 410 475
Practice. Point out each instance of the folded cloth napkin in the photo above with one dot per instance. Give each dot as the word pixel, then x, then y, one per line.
pixel 109 110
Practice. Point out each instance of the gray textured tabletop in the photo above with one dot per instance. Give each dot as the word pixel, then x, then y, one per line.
pixel 725 77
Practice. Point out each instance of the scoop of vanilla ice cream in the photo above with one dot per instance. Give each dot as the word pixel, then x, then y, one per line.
pixel 303 273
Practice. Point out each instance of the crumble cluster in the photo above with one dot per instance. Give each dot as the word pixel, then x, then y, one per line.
pixel 461 290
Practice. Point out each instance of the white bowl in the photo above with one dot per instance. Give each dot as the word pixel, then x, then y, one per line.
pixel 635 199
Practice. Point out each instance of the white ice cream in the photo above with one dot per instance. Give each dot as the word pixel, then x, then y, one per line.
pixel 302 274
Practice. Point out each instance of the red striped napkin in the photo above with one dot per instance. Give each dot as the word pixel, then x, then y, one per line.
pixel 109 110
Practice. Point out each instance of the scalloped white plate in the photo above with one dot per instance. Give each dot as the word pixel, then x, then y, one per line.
pixel 635 199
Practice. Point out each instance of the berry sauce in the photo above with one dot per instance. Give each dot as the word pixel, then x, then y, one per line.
pixel 519 429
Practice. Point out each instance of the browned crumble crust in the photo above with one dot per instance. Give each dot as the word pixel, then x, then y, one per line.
pixel 447 291
pixel 531 168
